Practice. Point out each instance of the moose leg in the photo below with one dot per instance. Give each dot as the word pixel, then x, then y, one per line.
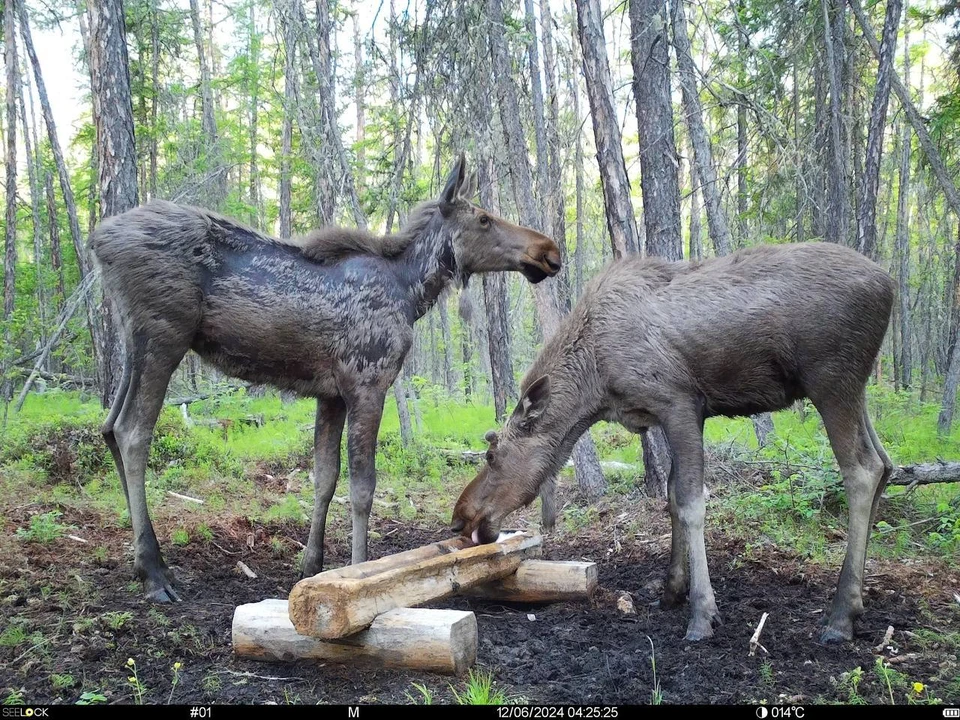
pixel 133 430
pixel 863 473
pixel 884 458
pixel 678 580
pixel 684 431
pixel 364 411
pixel 109 436
pixel 331 413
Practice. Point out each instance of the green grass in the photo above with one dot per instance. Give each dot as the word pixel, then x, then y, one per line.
pixel 798 498
pixel 480 690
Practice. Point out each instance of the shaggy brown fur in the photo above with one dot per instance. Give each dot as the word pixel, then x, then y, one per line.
pixel 670 344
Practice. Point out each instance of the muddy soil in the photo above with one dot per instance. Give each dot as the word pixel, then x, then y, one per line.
pixel 80 618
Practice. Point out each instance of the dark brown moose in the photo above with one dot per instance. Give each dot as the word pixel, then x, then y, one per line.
pixel 329 316
pixel 670 344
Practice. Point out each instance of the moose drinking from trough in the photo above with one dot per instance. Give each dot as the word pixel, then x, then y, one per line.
pixel 670 344
pixel 329 316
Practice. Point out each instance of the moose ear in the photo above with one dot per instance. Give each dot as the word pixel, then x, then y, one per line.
pixel 451 191
pixel 534 400
pixel 492 438
pixel 469 189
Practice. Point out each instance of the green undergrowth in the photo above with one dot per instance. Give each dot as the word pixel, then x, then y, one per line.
pixel 251 456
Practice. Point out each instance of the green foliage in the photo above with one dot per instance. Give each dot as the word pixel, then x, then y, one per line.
pixel 480 690
pixel 43 528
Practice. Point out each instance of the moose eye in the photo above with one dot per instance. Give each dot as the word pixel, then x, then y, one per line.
pixel 484 220
pixel 490 457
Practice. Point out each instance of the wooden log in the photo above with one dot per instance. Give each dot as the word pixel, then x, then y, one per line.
pixel 926 474
pixel 543 581
pixel 443 641
pixel 340 602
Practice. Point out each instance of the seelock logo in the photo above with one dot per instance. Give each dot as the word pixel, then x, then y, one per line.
pixel 25 712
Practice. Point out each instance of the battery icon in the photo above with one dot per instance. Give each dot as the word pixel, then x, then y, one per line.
pixel 951 712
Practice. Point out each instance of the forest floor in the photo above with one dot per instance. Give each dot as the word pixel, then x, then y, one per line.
pixel 82 618
pixel 72 617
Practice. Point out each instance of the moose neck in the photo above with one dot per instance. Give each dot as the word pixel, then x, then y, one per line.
pixel 576 391
pixel 429 264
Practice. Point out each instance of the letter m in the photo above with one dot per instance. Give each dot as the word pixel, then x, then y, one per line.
pixel 353 712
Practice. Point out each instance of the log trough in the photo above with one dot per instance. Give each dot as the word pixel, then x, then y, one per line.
pixel 367 614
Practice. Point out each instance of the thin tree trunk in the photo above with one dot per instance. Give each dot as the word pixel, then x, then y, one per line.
pixel 621 222
pixel 495 304
pixel 217 184
pixel 867 220
pixel 10 216
pixel 254 93
pixel 703 155
pixel 913 115
pixel 35 221
pixel 359 88
pixel 951 382
pixel 903 258
pixel 403 410
pixel 56 256
pixel 837 226
pixel 286 142
pixel 589 475
pixel 556 204
pixel 154 96
pixel 579 253
pixel 449 380
pixel 320 57
pixel 742 148
pixel 799 162
pixel 695 240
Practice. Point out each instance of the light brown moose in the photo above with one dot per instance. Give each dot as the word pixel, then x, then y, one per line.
pixel 329 316
pixel 670 344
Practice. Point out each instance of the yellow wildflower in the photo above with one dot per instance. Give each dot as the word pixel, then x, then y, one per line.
pixel 918 687
pixel 130 662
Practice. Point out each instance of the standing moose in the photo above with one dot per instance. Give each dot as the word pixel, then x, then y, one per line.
pixel 328 316
pixel 670 344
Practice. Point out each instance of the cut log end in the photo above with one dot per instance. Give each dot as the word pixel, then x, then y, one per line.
pixel 543 581
pixel 443 641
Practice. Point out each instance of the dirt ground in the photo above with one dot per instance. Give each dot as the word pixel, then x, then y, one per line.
pixel 84 618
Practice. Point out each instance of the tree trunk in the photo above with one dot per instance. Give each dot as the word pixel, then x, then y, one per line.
pixel 319 53
pixel 113 119
pixel 33 169
pixel 870 182
pixel 449 380
pixel 403 410
pixel 658 152
pixel 661 186
pixel 556 204
pixel 523 191
pixel 580 252
pixel 742 148
pixel 286 142
pixel 621 222
pixel 695 240
pixel 903 257
pixel 495 304
pixel 952 380
pixel 913 115
pixel 154 97
pixel 359 89
pixel 838 206
pixel 703 155
pixel 10 217
pixel 254 93
pixel 56 256
pixel 217 173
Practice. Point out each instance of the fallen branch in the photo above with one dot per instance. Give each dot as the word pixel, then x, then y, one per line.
pixel 201 396
pixel 887 637
pixel 926 474
pixel 755 640
pixel 79 295
pixel 198 501
pixel 245 569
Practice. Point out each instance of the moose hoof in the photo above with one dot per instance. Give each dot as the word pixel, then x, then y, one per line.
pixel 702 624
pixel 836 633
pixel 158 586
